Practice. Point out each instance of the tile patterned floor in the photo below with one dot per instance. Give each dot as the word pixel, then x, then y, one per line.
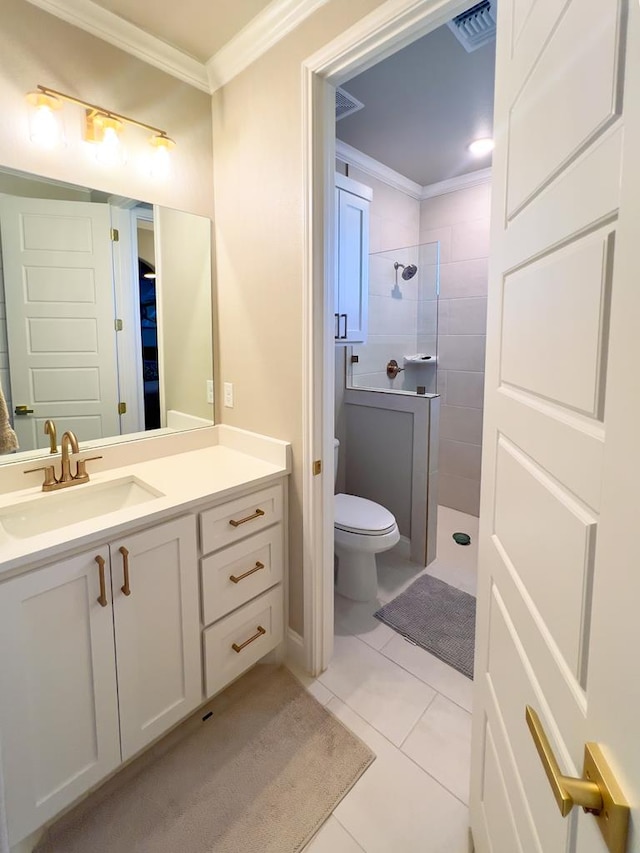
pixel 410 708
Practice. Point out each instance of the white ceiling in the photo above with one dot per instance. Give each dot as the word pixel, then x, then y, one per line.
pixel 197 27
pixel 423 106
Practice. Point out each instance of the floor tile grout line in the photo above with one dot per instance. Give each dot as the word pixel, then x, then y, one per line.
pixel 420 718
pixel 351 836
pixel 453 701
pixel 398 749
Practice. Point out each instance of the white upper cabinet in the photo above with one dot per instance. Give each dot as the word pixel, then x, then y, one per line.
pixel 352 261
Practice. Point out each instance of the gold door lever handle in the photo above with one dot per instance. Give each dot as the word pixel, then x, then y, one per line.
pixel 597 791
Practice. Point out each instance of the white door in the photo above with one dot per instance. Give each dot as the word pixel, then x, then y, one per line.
pixel 60 316
pixel 58 696
pixel 157 629
pixel 559 575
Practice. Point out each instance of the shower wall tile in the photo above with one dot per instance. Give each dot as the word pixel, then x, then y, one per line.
pixel 388 316
pixel 470 240
pixel 428 317
pixel 462 218
pixel 452 208
pixel 461 352
pixel 461 424
pixel 442 236
pixel 462 388
pixel 464 279
pixel 379 349
pixel 459 458
pixel 467 316
pixel 459 493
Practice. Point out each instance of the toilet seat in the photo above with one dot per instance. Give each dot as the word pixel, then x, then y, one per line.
pixel 362 516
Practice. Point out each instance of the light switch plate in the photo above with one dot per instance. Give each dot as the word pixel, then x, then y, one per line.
pixel 228 395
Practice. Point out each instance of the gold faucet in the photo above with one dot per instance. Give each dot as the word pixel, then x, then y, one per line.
pixel 68 443
pixel 50 430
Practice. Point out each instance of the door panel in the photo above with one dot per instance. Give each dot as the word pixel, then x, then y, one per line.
pixel 57 265
pixel 561 464
pixel 58 698
pixel 588 83
pixel 157 629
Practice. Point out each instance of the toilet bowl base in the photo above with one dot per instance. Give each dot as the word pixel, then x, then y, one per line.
pixel 357 575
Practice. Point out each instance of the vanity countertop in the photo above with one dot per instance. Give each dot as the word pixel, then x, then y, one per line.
pixel 185 481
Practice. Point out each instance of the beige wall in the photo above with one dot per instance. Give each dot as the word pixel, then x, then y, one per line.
pixel 258 144
pixel 38 48
pixel 460 221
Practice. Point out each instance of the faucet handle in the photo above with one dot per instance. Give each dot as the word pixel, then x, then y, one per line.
pixel 49 475
pixel 81 471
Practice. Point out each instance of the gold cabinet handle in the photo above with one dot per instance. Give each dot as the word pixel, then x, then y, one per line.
pixel 257 635
pixel 597 791
pixel 256 514
pixel 125 568
pixel 102 598
pixel 238 578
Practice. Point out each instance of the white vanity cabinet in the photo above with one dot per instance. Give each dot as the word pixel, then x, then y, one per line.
pixel 242 583
pixel 351 297
pixel 88 674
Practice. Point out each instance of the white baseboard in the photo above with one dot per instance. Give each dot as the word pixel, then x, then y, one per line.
pixel 295 651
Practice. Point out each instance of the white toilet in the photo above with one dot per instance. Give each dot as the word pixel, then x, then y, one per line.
pixel 362 529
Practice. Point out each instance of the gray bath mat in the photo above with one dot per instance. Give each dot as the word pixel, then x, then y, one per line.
pixel 437 617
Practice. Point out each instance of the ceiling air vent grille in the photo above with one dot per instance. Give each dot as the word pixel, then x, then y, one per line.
pixel 476 26
pixel 346 104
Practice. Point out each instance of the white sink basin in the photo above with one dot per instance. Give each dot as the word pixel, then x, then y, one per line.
pixel 52 510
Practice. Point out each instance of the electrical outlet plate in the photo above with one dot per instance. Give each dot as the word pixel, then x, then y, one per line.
pixel 228 395
pixel 209 390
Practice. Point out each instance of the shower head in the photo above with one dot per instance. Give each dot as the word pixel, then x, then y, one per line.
pixel 408 271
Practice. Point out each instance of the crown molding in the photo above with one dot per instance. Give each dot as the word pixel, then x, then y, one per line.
pixel 128 37
pixel 348 154
pixel 261 33
pixel 461 182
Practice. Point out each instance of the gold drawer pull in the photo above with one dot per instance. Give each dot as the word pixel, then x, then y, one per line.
pixel 102 598
pixel 240 521
pixel 257 635
pixel 238 578
pixel 126 588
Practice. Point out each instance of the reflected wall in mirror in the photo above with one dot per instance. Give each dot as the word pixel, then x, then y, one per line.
pixel 105 314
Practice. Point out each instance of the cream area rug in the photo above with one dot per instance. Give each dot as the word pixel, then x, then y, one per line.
pixel 261 773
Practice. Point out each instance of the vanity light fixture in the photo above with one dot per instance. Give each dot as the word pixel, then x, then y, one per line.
pixel 102 127
pixel 45 128
pixel 481 147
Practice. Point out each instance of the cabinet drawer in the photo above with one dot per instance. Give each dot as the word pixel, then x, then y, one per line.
pixel 237 574
pixel 255 629
pixel 222 525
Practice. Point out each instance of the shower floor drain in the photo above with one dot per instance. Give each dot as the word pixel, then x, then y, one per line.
pixel 462 538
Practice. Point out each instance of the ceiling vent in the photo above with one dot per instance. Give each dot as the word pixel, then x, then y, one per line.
pixel 476 26
pixel 346 104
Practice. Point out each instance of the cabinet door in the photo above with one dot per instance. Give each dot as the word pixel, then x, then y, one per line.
pixel 58 696
pixel 157 629
pixel 353 268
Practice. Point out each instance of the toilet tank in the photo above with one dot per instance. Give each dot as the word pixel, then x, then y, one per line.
pixel 336 450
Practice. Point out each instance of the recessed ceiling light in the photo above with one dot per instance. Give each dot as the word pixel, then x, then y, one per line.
pixel 480 147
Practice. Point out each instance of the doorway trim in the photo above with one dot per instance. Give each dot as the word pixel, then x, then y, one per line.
pixel 392 26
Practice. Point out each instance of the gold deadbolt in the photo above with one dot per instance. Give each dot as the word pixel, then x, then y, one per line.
pixel 597 791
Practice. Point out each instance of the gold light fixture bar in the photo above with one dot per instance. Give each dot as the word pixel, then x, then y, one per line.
pixel 93 111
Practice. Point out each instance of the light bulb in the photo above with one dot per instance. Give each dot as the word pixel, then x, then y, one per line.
pixel 481 147
pixel 108 151
pixel 45 128
pixel 160 164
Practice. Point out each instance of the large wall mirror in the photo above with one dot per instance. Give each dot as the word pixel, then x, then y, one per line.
pixel 105 314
